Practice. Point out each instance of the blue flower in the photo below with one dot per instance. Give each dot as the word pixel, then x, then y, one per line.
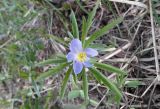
pixel 80 56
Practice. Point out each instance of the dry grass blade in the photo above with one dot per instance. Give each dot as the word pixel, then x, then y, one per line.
pixel 7 42
pixel 140 4
pixel 154 40
pixel 105 57
pixel 155 51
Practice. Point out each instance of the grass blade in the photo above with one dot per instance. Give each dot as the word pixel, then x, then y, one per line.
pixel 84 26
pixel 64 84
pixel 89 20
pixel 75 29
pixel 109 68
pixel 70 35
pixel 85 86
pixel 102 31
pixel 58 39
pixel 74 94
pixel 52 72
pixel 91 16
pixel 36 88
pixel 107 83
pixel 80 5
pixel 51 61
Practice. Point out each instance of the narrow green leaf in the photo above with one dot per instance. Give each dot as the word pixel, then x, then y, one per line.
pixel 49 97
pixel 80 93
pixel 22 74
pixel 58 39
pixel 109 68
pixel 75 29
pixel 102 47
pixel 36 88
pixel 51 61
pixel 74 81
pixel 64 84
pixel 80 5
pixel 60 15
pixel 74 94
pixel 85 86
pixel 93 102
pixel 91 16
pixel 107 83
pixel 84 26
pixel 73 106
pixel 74 78
pixel 133 83
pixel 52 71
pixel 70 35
pixel 102 31
pixel 90 19
pixel 60 55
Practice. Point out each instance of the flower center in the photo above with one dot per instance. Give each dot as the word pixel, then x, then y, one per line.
pixel 81 57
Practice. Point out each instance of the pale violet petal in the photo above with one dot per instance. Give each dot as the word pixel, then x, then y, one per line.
pixel 70 57
pixel 91 52
pixel 87 64
pixel 77 67
pixel 76 46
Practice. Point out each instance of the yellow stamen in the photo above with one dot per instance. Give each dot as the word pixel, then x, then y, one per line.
pixel 81 57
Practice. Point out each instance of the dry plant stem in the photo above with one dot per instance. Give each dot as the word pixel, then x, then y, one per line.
pixel 101 100
pixel 129 33
pixel 46 90
pixel 131 3
pixel 8 41
pixel 105 57
pixel 101 15
pixel 155 50
pixel 94 87
pixel 120 60
pixel 144 106
pixel 154 81
pixel 154 40
pixel 135 96
pixel 151 95
pixel 122 107
pixel 133 57
pixel 148 59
